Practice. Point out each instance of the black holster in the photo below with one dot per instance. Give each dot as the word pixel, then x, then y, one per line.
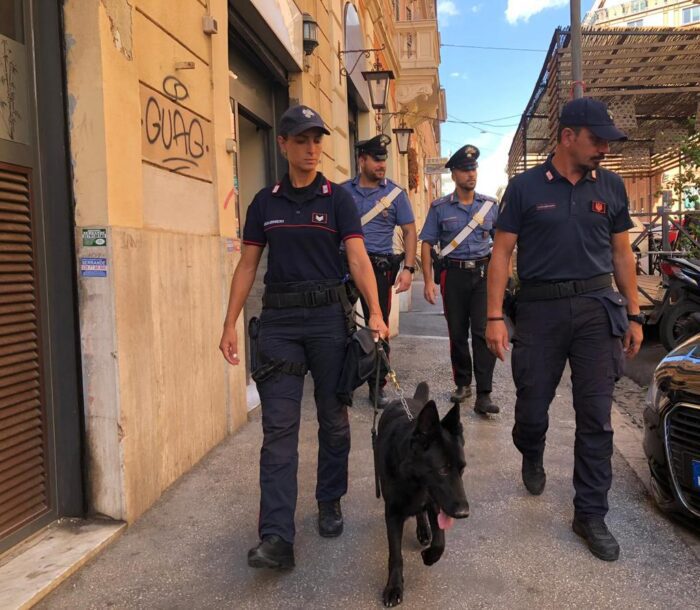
pixel 263 367
pixel 438 265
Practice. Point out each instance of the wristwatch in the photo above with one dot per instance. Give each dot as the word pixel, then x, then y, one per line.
pixel 639 318
pixel 411 270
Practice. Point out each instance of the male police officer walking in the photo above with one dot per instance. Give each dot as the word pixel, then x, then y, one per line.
pixel 569 219
pixel 383 205
pixel 462 223
pixel 303 219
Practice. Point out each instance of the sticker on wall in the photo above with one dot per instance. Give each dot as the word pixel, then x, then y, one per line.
pixel 93 267
pixel 95 237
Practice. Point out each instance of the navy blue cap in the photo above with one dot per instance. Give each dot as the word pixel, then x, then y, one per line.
pixel 297 119
pixel 593 114
pixel 375 147
pixel 465 158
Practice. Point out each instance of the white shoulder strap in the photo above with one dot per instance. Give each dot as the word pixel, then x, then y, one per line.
pixel 381 205
pixel 478 220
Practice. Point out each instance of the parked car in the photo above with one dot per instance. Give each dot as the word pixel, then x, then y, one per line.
pixel 672 432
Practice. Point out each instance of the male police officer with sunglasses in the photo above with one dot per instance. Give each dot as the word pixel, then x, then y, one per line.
pixel 383 205
pixel 462 224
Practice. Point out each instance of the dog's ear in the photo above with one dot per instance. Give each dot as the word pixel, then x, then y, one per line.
pixel 452 421
pixel 422 394
pixel 428 420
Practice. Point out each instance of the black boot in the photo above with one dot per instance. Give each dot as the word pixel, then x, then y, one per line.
pixel 484 405
pixel 597 536
pixel 534 476
pixel 462 392
pixel 330 519
pixel 272 552
pixel 382 400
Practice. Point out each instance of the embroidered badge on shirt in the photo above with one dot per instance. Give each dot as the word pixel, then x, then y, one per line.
pixel 599 207
pixel 319 218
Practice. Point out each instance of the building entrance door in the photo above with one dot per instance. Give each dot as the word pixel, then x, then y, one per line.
pixel 40 476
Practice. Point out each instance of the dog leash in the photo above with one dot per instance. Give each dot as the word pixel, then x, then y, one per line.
pixel 382 357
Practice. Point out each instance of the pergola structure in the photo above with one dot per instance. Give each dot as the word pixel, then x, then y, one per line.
pixel 650 79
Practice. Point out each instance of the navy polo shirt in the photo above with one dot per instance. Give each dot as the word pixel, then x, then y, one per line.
pixel 379 232
pixel 564 230
pixel 303 228
pixel 447 217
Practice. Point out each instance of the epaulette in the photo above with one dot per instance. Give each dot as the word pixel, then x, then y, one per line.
pixel 440 200
pixel 487 197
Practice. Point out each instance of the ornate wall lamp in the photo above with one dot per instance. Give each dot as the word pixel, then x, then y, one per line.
pixel 310 36
pixel 403 137
pixel 377 79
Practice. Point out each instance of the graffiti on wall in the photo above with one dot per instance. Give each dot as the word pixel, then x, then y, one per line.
pixel 172 136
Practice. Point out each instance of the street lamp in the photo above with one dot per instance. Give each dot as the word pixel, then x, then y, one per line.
pixel 403 137
pixel 310 33
pixel 378 84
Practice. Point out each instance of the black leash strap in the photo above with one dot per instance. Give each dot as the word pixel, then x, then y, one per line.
pixel 379 352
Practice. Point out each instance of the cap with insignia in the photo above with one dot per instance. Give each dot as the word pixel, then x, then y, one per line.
pixel 375 147
pixel 297 119
pixel 464 159
pixel 593 114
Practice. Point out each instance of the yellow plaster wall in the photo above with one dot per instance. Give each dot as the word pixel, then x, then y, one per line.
pixel 168 396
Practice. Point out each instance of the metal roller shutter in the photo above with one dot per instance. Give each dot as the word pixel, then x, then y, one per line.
pixel 24 493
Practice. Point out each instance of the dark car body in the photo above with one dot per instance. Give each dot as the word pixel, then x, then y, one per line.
pixel 672 432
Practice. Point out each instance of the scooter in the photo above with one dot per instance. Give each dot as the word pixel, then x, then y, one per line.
pixel 680 310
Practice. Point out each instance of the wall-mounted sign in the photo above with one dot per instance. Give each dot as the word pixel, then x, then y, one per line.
pixel 93 267
pixel 14 101
pixel 172 136
pixel 285 20
pixel 95 237
pixel 435 165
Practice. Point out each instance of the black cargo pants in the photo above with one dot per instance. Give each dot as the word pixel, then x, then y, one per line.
pixel 579 329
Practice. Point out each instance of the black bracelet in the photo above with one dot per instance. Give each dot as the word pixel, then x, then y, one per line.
pixel 495 319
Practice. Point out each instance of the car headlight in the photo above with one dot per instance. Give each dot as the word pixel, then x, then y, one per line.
pixel 656 397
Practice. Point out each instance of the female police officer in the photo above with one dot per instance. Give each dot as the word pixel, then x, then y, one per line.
pixel 303 218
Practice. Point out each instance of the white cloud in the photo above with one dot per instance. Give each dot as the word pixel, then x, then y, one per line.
pixel 447 8
pixel 476 8
pixel 492 167
pixel 454 74
pixel 524 9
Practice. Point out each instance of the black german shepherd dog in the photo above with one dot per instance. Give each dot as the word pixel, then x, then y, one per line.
pixel 420 465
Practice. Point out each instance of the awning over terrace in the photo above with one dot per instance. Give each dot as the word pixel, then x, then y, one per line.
pixel 650 79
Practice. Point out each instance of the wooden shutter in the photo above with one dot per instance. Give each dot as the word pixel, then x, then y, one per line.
pixel 24 489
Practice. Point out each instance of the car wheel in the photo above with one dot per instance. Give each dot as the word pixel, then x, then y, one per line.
pixel 674 326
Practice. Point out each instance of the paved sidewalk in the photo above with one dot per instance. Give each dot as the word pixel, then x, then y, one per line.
pixel 514 551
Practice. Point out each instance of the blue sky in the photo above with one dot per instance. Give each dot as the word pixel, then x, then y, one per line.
pixel 488 85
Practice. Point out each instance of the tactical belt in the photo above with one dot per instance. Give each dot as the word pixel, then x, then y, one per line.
pixel 273 299
pixel 462 264
pixel 543 291
pixel 386 262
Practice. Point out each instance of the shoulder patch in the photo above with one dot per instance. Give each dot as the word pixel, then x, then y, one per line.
pixel 487 197
pixel 439 201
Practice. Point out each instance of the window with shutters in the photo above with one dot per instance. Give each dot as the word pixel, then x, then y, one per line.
pixel 24 492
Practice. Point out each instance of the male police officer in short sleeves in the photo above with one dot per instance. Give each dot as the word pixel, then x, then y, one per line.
pixel 569 219
pixel 462 223
pixel 383 205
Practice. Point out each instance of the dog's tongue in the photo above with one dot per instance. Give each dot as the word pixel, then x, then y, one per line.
pixel 445 522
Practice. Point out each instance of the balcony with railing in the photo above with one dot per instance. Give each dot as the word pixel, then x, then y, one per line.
pixel 418 53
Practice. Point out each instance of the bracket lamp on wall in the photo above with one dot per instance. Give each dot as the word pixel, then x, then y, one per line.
pixel 403 137
pixel 310 33
pixel 377 79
